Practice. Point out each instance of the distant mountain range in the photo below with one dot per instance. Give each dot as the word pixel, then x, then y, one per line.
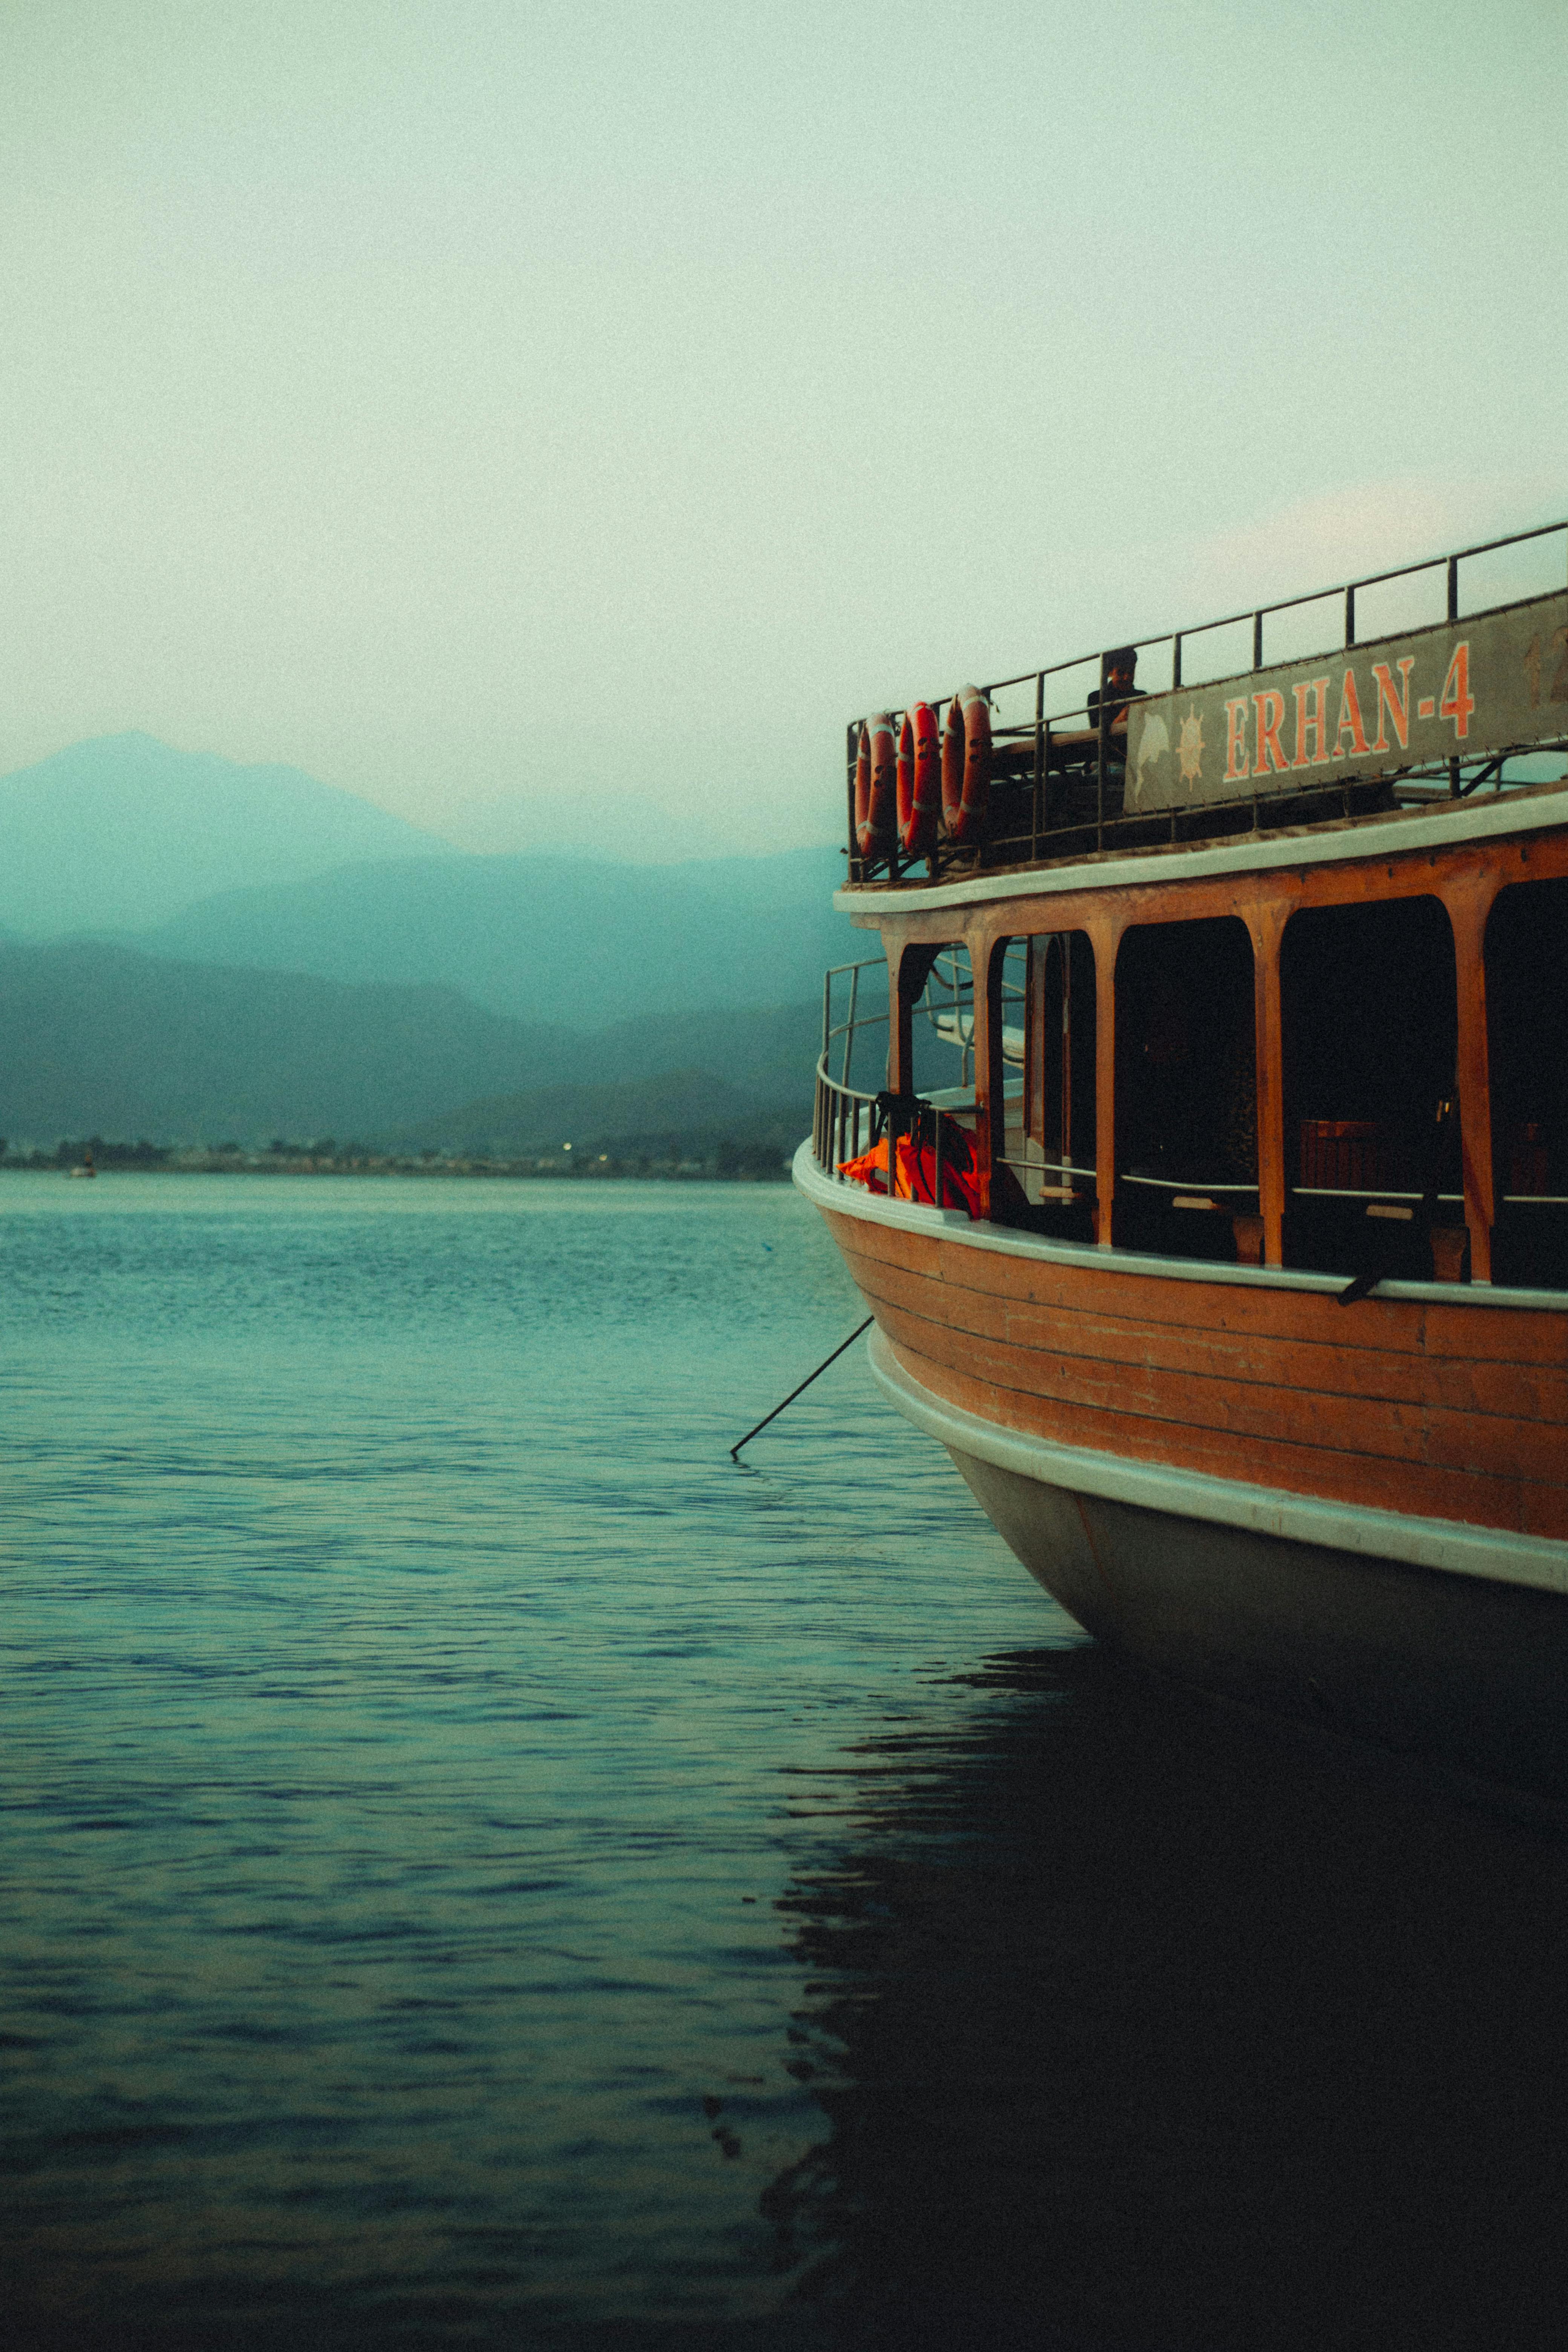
pixel 100 1039
pixel 212 951
pixel 120 833
pixel 575 941
pixel 190 856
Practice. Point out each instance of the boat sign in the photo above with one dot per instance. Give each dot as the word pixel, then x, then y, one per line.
pixel 1464 689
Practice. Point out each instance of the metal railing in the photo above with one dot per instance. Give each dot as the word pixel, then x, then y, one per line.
pixel 1044 777
pixel 848 1119
pixel 845 1119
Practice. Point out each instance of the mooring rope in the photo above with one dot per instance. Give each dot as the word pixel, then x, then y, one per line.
pixel 735 1449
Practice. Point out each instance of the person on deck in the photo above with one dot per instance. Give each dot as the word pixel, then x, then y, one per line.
pixel 1121 668
pixel 1080 754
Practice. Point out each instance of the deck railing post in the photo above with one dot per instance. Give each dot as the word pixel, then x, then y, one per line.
pixel 1102 750
pixel 1105 938
pixel 1265 923
pixel 901 1024
pixel 1453 615
pixel 1038 811
pixel 1064 952
pixel 1468 899
pixel 1031 1031
pixel 987 957
pixel 852 746
pixel 910 963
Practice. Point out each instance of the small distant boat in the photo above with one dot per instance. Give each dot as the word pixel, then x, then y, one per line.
pixel 87 1167
pixel 1234 1272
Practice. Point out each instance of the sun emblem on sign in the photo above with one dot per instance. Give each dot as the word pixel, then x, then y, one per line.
pixel 1190 747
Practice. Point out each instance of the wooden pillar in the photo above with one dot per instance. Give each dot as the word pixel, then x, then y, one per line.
pixel 1105 938
pixel 1046 1038
pixel 987 954
pixel 1468 899
pixel 908 969
pixel 1266 924
pixel 1035 954
pixel 901 1019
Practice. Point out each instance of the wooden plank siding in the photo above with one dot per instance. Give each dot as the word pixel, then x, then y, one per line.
pixel 1535 1393
pixel 1400 1404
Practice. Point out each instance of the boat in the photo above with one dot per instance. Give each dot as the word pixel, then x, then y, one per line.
pixel 1198 1142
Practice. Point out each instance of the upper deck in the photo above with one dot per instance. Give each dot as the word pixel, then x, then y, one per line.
pixel 1361 714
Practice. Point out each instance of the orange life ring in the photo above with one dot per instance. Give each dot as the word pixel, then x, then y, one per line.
pixel 966 764
pixel 876 765
pixel 920 778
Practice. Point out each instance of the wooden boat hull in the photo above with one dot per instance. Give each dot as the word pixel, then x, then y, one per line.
pixel 1458 1668
pixel 1357 1516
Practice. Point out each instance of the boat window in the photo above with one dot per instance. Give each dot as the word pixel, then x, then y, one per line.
pixel 1186 1090
pixel 1527 1007
pixel 1048 1060
pixel 1368 1001
pixel 943 1034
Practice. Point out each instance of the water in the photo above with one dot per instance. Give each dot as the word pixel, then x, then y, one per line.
pixel 480 1869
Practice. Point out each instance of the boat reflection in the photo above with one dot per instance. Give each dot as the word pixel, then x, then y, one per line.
pixel 1137 2025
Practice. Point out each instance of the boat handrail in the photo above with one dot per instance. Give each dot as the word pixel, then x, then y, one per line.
pixel 1258 613
pixel 949 991
pixel 1072 831
pixel 850 1119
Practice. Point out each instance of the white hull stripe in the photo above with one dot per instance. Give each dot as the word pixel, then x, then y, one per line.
pixel 1494 1554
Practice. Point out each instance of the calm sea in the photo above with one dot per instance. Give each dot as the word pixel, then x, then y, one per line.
pixel 480 1869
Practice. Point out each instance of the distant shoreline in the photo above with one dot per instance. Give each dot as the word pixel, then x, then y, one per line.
pixel 591 1168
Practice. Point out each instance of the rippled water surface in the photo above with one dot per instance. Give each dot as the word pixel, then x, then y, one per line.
pixel 481 1869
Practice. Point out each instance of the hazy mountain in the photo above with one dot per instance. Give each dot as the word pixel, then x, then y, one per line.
pixel 769 1052
pixel 117 834
pixel 100 1039
pixel 192 856
pixel 579 941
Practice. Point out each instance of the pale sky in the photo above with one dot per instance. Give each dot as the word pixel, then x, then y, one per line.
pixel 592 407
